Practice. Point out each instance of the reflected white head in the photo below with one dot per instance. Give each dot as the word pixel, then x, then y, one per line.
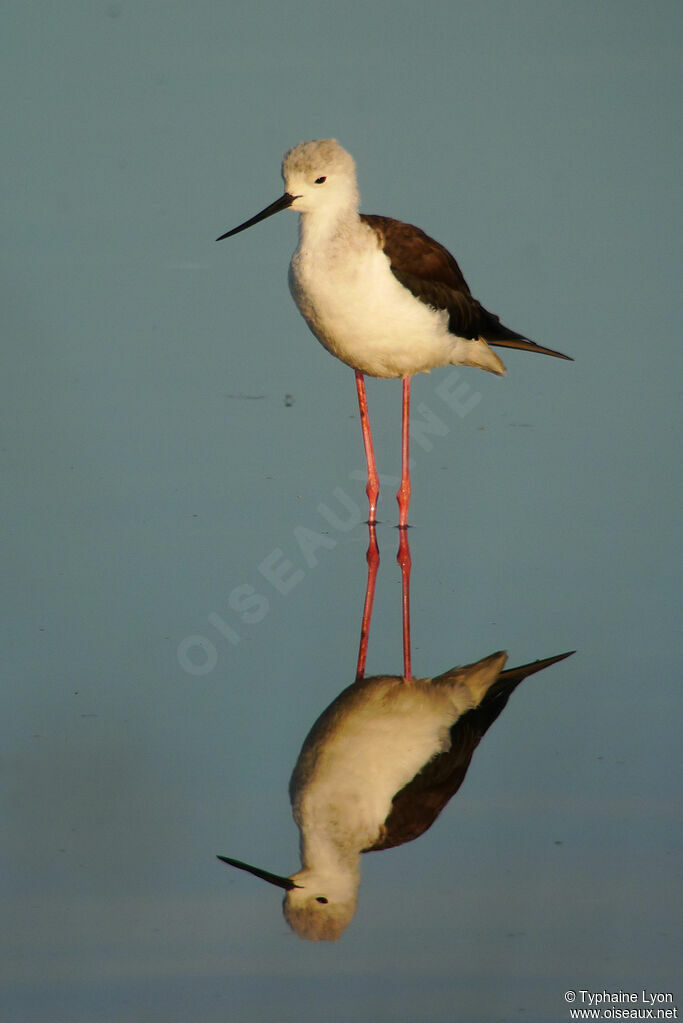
pixel 320 908
pixel 317 907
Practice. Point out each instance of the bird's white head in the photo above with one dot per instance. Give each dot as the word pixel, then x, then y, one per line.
pixel 319 905
pixel 320 175
pixel 320 908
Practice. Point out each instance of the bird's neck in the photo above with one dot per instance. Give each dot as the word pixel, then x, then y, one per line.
pixel 328 229
pixel 337 877
pixel 324 854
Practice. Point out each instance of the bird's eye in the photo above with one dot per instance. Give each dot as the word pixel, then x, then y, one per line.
pixel 321 898
pixel 320 181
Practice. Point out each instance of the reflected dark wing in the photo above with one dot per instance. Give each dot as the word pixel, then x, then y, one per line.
pixel 431 273
pixel 415 808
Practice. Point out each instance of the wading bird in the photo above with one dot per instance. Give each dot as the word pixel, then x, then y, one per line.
pixel 375 771
pixel 380 295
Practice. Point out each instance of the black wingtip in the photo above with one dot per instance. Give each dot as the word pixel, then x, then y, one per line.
pixel 534 666
pixel 524 345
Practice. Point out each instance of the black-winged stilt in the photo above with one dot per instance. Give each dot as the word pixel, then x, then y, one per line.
pixel 375 771
pixel 380 295
pixel 380 764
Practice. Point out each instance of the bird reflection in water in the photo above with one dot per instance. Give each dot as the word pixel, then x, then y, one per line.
pixel 379 766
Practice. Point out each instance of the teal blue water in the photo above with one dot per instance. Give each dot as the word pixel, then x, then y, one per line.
pixel 184 562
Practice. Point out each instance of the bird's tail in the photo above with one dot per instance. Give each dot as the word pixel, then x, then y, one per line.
pixel 477 678
pixel 496 333
pixel 478 354
pixel 486 678
pixel 497 691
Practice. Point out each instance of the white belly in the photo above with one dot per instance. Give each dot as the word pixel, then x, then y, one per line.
pixel 362 315
pixel 364 748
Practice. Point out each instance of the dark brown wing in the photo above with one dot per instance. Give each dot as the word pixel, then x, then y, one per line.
pixel 415 808
pixel 431 273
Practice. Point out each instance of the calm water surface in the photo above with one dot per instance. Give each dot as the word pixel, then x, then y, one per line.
pixel 183 502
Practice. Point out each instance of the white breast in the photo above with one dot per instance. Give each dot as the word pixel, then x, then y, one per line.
pixel 358 756
pixel 361 313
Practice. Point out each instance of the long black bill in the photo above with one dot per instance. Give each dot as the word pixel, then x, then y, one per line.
pixel 265 875
pixel 280 204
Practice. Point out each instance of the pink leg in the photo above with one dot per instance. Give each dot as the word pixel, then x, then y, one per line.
pixel 372 488
pixel 403 495
pixel 372 558
pixel 403 558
